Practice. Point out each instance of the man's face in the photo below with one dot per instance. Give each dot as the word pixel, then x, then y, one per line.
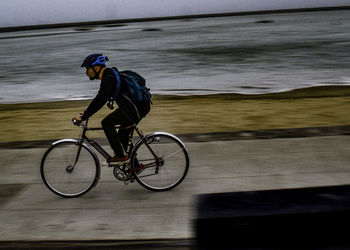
pixel 90 73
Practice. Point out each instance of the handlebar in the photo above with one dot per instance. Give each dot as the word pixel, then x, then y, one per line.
pixel 79 122
pixel 76 122
pixel 84 125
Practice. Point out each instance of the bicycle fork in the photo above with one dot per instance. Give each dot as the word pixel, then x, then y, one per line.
pixel 70 167
pixel 79 143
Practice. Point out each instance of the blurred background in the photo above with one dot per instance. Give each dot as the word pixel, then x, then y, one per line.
pixel 231 54
pixel 40 12
pixel 238 47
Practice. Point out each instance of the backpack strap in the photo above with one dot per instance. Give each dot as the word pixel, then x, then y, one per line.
pixel 118 83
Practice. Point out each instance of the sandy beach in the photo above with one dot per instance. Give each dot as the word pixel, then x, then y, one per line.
pixel 314 107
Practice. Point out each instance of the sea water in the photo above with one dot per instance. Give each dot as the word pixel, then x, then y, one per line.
pixel 251 54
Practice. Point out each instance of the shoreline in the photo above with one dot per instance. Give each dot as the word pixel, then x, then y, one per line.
pixel 122 22
pixel 307 92
pixel 180 115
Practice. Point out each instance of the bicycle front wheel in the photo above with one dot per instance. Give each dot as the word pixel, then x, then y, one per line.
pixel 69 170
pixel 160 161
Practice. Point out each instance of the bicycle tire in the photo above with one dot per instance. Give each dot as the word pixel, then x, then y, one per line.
pixel 172 167
pixel 59 158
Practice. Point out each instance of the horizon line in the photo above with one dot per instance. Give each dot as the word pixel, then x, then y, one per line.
pixel 165 18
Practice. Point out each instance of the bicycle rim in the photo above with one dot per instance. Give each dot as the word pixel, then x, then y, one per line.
pixel 171 168
pixel 58 174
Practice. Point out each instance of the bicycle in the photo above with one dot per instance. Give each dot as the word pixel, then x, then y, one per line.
pixel 158 161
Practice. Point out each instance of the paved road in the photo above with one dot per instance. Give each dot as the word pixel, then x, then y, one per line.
pixel 112 211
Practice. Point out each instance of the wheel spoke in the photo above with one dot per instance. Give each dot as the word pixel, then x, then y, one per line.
pixel 56 175
pixel 166 157
pixel 165 172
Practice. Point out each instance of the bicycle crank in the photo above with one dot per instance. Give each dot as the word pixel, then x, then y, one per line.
pixel 122 173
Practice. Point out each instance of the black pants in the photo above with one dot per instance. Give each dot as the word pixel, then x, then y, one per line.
pixel 119 139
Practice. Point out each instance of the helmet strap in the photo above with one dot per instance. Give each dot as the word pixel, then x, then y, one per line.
pixel 97 73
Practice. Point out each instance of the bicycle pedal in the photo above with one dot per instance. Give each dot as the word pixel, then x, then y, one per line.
pixel 106 164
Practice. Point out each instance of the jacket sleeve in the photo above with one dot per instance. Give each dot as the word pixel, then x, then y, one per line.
pixel 107 88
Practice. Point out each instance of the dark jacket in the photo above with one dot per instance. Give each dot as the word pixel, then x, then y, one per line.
pixel 134 111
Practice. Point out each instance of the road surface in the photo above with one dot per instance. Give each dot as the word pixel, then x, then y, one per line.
pixel 113 211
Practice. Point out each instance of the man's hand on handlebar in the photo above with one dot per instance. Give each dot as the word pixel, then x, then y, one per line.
pixel 77 120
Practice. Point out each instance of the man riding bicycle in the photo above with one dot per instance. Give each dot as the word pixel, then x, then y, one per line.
pixel 129 112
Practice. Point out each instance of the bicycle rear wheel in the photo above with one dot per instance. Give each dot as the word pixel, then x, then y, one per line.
pixel 160 162
pixel 66 176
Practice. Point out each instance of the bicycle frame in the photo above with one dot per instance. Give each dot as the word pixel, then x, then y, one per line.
pixel 103 152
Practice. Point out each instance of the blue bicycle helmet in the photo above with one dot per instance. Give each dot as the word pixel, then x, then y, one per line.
pixel 95 59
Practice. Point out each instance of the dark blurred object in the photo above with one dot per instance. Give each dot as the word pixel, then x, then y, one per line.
pixel 265 21
pixel 292 218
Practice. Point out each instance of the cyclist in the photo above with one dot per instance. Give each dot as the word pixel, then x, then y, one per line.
pixel 127 114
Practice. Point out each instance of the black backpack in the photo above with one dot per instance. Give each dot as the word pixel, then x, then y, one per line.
pixel 136 84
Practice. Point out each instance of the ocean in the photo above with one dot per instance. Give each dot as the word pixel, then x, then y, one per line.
pixel 250 54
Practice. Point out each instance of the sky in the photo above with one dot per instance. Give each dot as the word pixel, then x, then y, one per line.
pixel 37 12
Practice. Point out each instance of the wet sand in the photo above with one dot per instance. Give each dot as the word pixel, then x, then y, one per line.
pixel 319 107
